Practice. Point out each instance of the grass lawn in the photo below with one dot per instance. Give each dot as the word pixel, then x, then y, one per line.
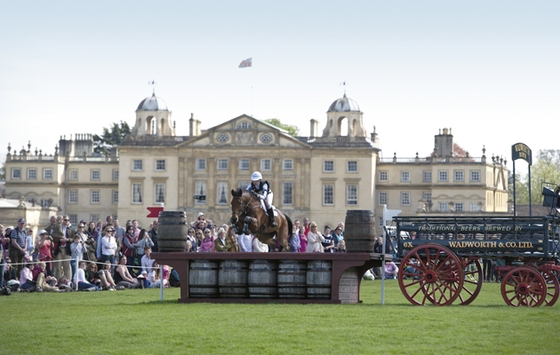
pixel 136 322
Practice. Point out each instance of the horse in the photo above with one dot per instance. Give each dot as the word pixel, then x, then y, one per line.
pixel 249 217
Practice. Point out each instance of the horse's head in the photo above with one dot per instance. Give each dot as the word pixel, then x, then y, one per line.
pixel 237 205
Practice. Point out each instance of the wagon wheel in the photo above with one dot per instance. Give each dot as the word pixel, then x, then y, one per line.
pixel 472 281
pixel 524 286
pixel 431 273
pixel 552 288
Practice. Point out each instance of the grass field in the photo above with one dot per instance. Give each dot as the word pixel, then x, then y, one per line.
pixel 137 322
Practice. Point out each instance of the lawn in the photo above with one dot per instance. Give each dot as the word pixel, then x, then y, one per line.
pixel 137 322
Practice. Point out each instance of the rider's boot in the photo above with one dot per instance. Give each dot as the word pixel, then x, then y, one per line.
pixel 273 223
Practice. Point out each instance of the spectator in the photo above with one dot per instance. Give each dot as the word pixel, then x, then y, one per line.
pixel 137 230
pixel 19 245
pixel 328 242
pixel 44 246
pixel 207 244
pixel 80 279
pixel 143 241
pixel 109 245
pixel 231 237
pixel 303 239
pixel 199 236
pixel 119 230
pixel 123 277
pixel 146 261
pixel 26 282
pixel 296 225
pixel 337 235
pixel 155 277
pixel 4 246
pixel 295 243
pixel 127 248
pixel 245 242
pixel 153 235
pixel 314 239
pixel 63 235
pixel 259 247
pixel 193 242
pixel 200 222
pixel 30 245
pixel 391 270
pixel 220 243
pixel 43 282
pixel 76 252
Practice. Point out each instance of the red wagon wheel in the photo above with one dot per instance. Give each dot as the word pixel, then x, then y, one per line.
pixel 431 273
pixel 552 288
pixel 472 282
pixel 524 286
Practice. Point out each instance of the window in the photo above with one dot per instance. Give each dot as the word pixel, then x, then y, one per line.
pixel 95 196
pixel 405 198
pixel 136 193
pixel 243 125
pixel 382 198
pixel 137 165
pixel 475 207
pixel 288 164
pixel 222 164
pixel 266 164
pixel 115 196
pixel 405 176
pixel 221 195
pixel 328 166
pixel 47 174
pixel 200 192
pixel 475 176
pixel 287 196
pixel 459 175
pixel 459 207
pixel 73 219
pixel 427 176
pixel 427 196
pixel 443 175
pixel 160 165
pixel 244 164
pixel 73 174
pixel 115 175
pixel 96 175
pixel 72 196
pixel 443 207
pixel 328 194
pixel 383 176
pixel 352 167
pixel 200 164
pixel 266 138
pixel 94 217
pixel 32 174
pixel 222 138
pixel 16 174
pixel 159 193
pixel 352 194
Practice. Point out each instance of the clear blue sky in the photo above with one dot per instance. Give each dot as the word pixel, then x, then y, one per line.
pixel 487 69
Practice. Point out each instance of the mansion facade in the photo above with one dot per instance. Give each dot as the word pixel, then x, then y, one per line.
pixel 320 176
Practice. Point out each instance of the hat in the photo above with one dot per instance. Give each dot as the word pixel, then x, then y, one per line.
pixel 200 214
pixel 256 176
pixel 21 220
pixel 42 231
pixel 10 227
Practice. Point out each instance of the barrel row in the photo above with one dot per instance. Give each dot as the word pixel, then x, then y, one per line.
pixel 260 279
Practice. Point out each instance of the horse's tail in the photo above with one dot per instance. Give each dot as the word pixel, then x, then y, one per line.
pixel 290 226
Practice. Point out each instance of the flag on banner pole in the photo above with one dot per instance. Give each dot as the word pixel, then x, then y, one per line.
pixel 246 63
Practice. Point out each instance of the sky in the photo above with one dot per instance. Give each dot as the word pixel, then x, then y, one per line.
pixel 489 70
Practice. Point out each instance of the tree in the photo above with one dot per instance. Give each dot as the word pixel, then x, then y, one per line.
pixel 544 172
pixel 110 138
pixel 292 130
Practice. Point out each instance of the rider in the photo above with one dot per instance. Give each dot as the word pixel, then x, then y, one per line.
pixel 262 189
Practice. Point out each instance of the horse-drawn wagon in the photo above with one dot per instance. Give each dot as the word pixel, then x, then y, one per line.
pixel 441 259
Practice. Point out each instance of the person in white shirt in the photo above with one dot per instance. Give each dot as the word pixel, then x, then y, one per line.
pixel 81 280
pixel 109 245
pixel 146 263
pixel 314 239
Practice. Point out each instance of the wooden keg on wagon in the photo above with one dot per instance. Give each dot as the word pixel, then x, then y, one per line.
pixel 172 231
pixel 319 279
pixel 262 279
pixel 359 231
pixel 292 279
pixel 232 279
pixel 203 279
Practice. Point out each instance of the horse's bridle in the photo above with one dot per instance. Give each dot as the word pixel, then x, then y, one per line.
pixel 245 207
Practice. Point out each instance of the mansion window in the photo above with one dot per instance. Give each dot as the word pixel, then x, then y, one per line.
pixel 382 198
pixel 96 175
pixel 95 196
pixel 405 198
pixel 266 164
pixel 475 176
pixel 137 165
pixel 16 174
pixel 200 164
pixel 288 164
pixel 405 176
pixel 287 193
pixel 159 193
pixel 160 165
pixel 352 166
pixel 459 175
pixel 244 164
pixel 328 194
pixel 352 194
pixel 222 164
pixel 115 175
pixel 73 219
pixel 72 196
pixel 427 196
pixel 200 192
pixel 115 196
pixel 459 207
pixel 427 176
pixel 443 207
pixel 222 193
pixel 244 125
pixel 32 174
pixel 136 193
pixel 383 176
pixel 47 174
pixel 443 175
pixel 73 174
pixel 475 207
pixel 328 166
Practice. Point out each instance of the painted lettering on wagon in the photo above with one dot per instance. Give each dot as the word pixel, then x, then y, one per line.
pixel 483 245
pixel 471 228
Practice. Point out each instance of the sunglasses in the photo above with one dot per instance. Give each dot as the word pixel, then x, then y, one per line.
pixel 110 230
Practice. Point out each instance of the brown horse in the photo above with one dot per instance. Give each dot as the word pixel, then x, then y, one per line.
pixel 248 216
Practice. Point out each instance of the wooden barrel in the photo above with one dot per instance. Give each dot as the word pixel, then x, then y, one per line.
pixel 203 279
pixel 262 279
pixel 232 279
pixel 172 231
pixel 319 279
pixel 292 279
pixel 359 231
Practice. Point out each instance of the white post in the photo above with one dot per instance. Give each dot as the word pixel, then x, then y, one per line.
pixel 161 283
pixel 387 216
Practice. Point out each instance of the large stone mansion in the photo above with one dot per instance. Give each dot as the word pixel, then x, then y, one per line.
pixel 319 176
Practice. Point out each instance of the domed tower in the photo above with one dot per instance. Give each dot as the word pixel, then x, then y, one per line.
pixel 341 109
pixel 153 118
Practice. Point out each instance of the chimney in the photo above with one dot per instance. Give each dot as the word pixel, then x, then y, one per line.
pixel 313 128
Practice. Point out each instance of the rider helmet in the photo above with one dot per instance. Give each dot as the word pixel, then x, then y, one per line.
pixel 256 176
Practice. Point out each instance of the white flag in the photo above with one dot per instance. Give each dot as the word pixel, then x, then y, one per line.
pixel 246 63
